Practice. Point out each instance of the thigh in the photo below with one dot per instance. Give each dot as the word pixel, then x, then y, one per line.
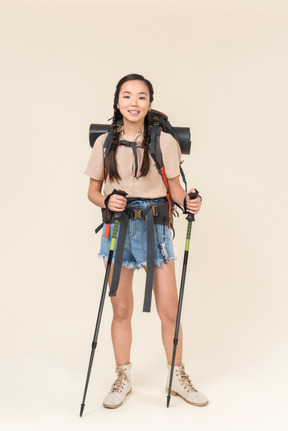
pixel 123 301
pixel 165 289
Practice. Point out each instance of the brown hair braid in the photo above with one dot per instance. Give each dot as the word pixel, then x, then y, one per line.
pixel 146 161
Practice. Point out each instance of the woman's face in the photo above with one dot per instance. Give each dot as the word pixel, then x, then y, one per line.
pixel 134 102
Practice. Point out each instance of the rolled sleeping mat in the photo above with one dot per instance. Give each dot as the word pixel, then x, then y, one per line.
pixel 182 133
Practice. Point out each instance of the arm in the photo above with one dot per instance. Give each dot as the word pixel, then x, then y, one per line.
pixel 178 195
pixel 116 202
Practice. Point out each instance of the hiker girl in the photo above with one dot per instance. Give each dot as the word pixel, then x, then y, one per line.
pixel 125 164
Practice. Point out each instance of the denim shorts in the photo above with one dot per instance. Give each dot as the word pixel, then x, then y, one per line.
pixel 135 247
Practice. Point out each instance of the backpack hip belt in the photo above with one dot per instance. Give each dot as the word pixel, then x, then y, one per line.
pixel 160 214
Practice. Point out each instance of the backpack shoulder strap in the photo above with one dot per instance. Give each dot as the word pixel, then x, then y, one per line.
pixel 108 141
pixel 156 155
pixel 107 147
pixel 154 147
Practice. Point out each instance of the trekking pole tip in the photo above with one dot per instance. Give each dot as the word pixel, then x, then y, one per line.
pixel 168 400
pixel 82 409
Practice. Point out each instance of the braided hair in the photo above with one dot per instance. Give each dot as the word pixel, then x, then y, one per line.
pixel 110 160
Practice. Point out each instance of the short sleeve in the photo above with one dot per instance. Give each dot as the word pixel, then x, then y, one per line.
pixel 95 167
pixel 171 154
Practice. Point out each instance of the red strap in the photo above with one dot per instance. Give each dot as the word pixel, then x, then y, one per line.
pixel 168 194
pixel 107 230
pixel 164 178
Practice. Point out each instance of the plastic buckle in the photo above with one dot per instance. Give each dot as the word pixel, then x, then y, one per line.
pixel 137 214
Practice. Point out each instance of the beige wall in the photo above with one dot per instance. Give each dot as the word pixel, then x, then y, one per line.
pixel 219 67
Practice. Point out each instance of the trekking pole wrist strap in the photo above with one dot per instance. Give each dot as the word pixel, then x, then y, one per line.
pixel 191 196
pixel 106 201
pixel 115 192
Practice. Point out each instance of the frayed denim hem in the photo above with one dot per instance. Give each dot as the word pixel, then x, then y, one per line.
pixel 134 265
pixel 128 265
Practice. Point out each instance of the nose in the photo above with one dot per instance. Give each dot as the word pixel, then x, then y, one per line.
pixel 134 101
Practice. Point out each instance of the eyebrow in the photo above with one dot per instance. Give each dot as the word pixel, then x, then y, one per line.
pixel 129 92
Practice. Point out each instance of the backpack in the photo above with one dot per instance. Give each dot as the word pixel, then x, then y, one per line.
pixel 158 122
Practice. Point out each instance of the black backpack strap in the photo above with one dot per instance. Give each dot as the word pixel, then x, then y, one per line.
pixel 107 147
pixel 150 259
pixel 183 177
pixel 99 228
pixel 133 146
pixel 119 253
pixel 155 149
pixel 108 141
pixel 148 214
pixel 156 155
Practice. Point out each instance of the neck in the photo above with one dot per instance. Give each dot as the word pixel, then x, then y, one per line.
pixel 130 129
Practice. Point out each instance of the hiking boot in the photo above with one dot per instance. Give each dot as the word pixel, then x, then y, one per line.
pixel 120 388
pixel 182 386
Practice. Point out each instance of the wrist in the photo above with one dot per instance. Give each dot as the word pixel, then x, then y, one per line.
pixel 106 201
pixel 185 205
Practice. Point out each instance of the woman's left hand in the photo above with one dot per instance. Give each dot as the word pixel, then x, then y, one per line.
pixel 193 205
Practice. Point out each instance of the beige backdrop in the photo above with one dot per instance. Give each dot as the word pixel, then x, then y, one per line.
pixel 219 67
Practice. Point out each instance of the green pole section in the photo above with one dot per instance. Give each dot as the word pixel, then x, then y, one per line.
pixel 188 236
pixel 114 234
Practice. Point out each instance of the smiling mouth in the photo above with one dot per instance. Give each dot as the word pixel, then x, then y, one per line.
pixel 134 112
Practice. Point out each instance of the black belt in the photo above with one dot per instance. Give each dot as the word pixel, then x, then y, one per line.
pixel 160 214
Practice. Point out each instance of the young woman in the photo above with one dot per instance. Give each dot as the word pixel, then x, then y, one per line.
pixel 130 168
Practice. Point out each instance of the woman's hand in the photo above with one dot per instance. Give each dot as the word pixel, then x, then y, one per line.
pixel 178 194
pixel 193 205
pixel 117 203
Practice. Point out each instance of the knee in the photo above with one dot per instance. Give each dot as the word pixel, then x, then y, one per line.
pixel 168 315
pixel 122 312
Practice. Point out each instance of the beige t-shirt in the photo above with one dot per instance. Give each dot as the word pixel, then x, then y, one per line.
pixel 150 186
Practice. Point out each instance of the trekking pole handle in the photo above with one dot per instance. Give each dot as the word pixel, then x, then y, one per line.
pixel 191 217
pixel 121 193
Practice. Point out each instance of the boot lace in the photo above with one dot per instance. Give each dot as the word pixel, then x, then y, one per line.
pixel 120 381
pixel 184 378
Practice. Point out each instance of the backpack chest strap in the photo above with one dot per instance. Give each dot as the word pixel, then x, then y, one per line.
pixel 132 145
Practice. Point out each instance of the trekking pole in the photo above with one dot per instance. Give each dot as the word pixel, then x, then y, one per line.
pixel 190 219
pixel 105 283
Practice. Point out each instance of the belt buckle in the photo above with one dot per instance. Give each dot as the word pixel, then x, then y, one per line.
pixel 155 210
pixel 137 214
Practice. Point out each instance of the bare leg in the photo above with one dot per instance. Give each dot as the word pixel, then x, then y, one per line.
pixel 122 304
pixel 166 297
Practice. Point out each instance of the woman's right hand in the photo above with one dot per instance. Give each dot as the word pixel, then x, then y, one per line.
pixel 117 203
